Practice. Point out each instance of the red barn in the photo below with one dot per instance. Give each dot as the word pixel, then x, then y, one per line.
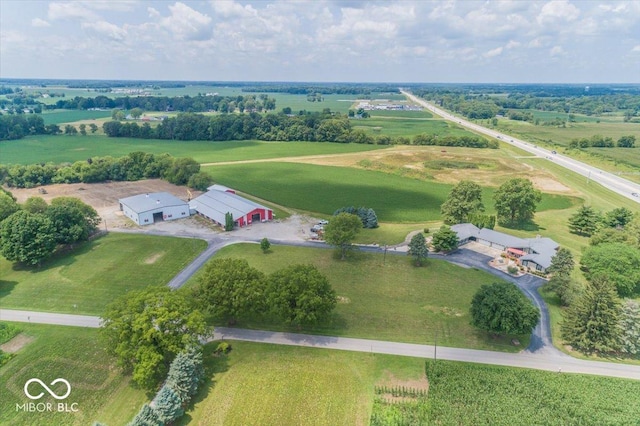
pixel 218 201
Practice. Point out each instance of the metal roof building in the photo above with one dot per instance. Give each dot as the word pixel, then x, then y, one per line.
pixel 216 203
pixel 535 253
pixel 145 209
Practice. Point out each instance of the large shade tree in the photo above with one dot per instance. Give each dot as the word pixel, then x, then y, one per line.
pixel 301 294
pixel 341 231
pixel 620 262
pixel 502 309
pixel 516 201
pixel 146 329
pixel 464 199
pixel 27 238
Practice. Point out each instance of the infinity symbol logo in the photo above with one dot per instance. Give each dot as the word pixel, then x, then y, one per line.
pixel 41 394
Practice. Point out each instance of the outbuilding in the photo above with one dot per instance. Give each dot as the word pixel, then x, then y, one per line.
pixel 145 209
pixel 217 202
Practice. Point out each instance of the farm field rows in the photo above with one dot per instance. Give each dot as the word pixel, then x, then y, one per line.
pixel 399 126
pixel 385 297
pixel 100 391
pixel 324 189
pixel 59 149
pixel 95 273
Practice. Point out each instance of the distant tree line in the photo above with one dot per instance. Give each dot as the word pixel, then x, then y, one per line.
pixel 323 89
pixel 322 126
pixel 131 167
pixel 599 141
pixel 20 125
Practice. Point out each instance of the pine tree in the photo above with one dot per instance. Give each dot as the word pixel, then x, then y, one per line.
pixel 418 248
pixel 146 417
pixel 185 374
pixel 585 221
pixel 562 263
pixel 228 222
pixel 629 327
pixel 591 324
pixel 167 405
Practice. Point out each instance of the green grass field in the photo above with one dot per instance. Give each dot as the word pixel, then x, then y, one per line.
pixel 385 297
pixel 87 279
pixel 400 114
pixel 58 149
pixel 408 127
pixel 324 189
pixel 76 354
pixel 261 384
pixel 69 116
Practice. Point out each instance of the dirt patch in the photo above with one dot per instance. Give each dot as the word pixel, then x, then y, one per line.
pixel 104 196
pixel 344 300
pixel 17 343
pixel 153 258
pixel 395 390
pixel 547 184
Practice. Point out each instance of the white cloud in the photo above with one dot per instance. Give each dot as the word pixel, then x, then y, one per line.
pixel 106 29
pixel 493 52
pixel 186 23
pixel 40 23
pixel 75 10
pixel 557 11
pixel 556 51
pixel 512 44
pixel 636 48
pixel 153 13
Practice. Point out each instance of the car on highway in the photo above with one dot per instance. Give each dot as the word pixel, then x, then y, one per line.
pixel 635 194
pixel 554 152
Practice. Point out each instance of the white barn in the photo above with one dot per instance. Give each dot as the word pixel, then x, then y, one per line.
pixel 145 209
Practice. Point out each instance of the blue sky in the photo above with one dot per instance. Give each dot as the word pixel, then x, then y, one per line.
pixel 558 41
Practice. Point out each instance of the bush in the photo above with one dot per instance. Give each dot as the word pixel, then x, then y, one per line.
pixel 223 348
pixel 512 269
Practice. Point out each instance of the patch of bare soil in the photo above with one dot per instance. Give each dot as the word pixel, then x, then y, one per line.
pixel 547 184
pixel 416 386
pixel 104 196
pixel 153 258
pixel 17 343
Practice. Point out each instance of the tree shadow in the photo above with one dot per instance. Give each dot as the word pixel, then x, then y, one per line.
pixel 213 364
pixel 529 226
pixel 6 287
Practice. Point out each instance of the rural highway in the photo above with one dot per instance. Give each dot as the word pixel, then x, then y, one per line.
pixel 617 184
pixel 538 361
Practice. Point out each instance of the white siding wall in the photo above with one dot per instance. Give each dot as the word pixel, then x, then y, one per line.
pixel 146 218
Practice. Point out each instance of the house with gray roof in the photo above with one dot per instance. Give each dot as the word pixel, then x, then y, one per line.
pixel 535 253
pixel 145 209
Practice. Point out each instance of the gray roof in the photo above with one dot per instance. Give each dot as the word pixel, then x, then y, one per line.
pixel 502 239
pixel 465 230
pixel 215 204
pixel 216 187
pixel 151 201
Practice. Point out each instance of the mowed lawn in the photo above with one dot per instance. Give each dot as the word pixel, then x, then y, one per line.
pixel 408 126
pixel 260 384
pixel 64 148
pixel 85 280
pixel 323 189
pixel 385 297
pixel 76 354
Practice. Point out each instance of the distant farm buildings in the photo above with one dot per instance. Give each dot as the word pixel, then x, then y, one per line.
pixel 220 200
pixel 535 253
pixel 145 209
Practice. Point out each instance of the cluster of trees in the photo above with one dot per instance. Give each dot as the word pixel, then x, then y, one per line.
pixel 587 221
pixel 231 289
pixel 364 89
pixel 599 141
pixel 503 309
pixel 199 103
pixel 341 231
pixel 17 126
pixel 186 372
pixel 146 329
pixel 367 215
pixel 31 232
pixel 449 140
pixel 515 201
pixel 134 166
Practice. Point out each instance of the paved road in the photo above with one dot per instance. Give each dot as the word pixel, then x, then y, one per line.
pixel 538 361
pixel 615 183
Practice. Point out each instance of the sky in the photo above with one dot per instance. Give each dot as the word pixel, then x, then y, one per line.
pixel 517 41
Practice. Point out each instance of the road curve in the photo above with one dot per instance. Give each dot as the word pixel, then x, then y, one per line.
pixel 610 181
pixel 538 361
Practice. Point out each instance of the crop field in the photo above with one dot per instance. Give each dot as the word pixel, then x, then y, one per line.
pixel 58 149
pixel 76 354
pixel 466 394
pixel 85 280
pixel 400 114
pixel 294 386
pixel 385 297
pixel 408 126
pixel 324 189
pixel 68 116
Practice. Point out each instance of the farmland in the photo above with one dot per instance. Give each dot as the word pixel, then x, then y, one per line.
pixel 385 297
pixel 324 189
pixel 391 125
pixel 87 279
pixel 68 116
pixel 58 149
pixel 77 355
